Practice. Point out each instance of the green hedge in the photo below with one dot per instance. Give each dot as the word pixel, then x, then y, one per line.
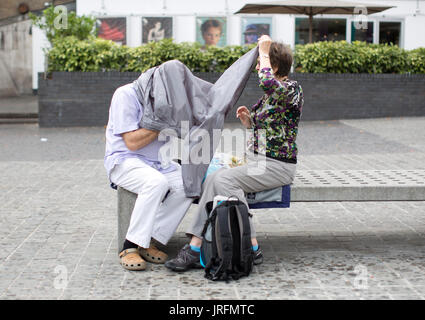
pixel 72 54
pixel 417 60
pixel 357 57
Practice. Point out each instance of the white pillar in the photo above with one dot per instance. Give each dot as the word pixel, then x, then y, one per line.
pixel 134 31
pixel 185 28
pixel 414 36
pixel 284 29
pixel 39 43
pixel 234 26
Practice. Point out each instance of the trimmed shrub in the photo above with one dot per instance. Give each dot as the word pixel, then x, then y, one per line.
pixel 71 54
pixel 95 54
pixel 357 57
pixel 417 60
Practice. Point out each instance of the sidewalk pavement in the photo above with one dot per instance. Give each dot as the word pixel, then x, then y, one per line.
pixel 21 109
pixel 24 104
pixel 58 223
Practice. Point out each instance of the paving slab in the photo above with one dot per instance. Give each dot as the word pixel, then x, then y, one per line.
pixel 313 250
pixel 54 193
pixel 19 105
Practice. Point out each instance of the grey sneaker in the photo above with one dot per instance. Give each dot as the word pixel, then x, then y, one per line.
pixel 186 259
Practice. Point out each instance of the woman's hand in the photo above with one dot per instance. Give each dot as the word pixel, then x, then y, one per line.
pixel 244 116
pixel 264 44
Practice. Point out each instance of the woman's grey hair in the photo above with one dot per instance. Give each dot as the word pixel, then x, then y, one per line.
pixel 281 57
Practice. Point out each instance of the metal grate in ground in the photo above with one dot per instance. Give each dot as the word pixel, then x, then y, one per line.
pixel 360 177
pixel 358 185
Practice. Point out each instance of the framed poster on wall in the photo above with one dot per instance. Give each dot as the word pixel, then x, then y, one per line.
pixel 156 28
pixel 211 31
pixel 254 28
pixel 112 29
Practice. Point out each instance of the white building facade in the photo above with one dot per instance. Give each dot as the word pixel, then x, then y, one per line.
pixel 403 25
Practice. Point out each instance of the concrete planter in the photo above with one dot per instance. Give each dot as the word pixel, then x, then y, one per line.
pixel 82 98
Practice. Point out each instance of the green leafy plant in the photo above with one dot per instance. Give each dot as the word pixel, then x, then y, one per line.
pixel 81 27
pixel 72 54
pixel 417 60
pixel 91 54
pixel 357 57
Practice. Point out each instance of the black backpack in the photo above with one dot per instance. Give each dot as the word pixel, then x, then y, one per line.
pixel 226 251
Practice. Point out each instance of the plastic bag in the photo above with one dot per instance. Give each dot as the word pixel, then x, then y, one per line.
pixel 223 160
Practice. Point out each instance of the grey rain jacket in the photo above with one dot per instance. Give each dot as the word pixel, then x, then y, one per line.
pixel 171 94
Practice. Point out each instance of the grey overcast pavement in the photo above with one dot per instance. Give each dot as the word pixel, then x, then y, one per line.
pixel 58 223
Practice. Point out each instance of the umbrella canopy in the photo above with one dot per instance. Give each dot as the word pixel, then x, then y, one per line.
pixel 311 8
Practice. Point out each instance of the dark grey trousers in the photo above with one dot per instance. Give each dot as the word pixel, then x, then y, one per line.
pixel 258 174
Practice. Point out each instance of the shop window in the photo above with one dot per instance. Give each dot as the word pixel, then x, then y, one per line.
pixel 389 32
pixel 323 30
pixel 360 34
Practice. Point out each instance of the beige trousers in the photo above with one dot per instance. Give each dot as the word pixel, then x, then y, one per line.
pixel 258 174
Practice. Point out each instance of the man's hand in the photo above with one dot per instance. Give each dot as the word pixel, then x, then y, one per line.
pixel 137 139
pixel 244 116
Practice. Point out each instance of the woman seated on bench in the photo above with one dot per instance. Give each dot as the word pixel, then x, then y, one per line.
pixel 272 151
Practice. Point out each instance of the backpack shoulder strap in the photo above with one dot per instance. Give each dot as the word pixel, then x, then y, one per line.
pixel 222 246
pixel 224 239
pixel 243 218
pixel 246 256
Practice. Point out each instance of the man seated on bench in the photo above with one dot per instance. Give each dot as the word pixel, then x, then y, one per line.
pixel 132 162
pixel 276 114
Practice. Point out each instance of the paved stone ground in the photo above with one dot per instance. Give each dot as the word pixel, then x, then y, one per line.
pixel 58 224
pixel 23 104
